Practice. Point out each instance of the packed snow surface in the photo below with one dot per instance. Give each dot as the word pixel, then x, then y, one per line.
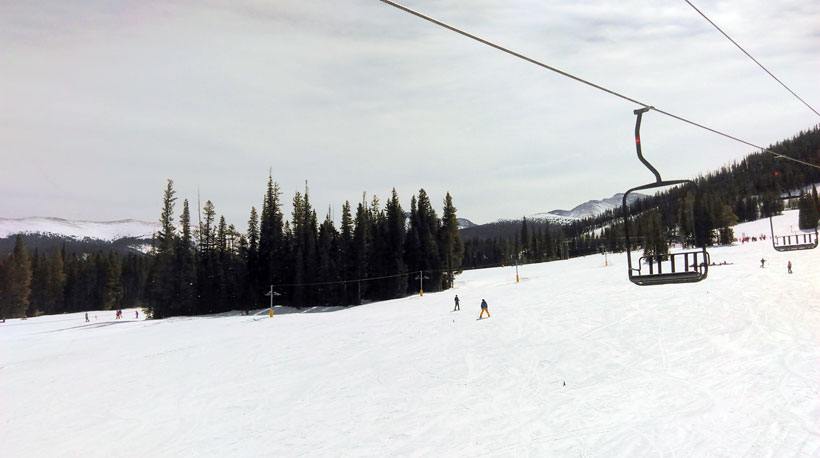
pixel 98 230
pixel 575 361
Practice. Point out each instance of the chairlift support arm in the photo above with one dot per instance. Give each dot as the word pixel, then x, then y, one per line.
pixel 639 112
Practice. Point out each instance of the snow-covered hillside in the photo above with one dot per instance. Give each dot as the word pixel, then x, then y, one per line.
pixel 553 218
pixel 575 361
pixel 593 207
pixel 97 230
pixel 464 223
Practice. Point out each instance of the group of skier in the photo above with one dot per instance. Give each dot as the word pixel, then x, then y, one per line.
pixel 117 316
pixel 484 307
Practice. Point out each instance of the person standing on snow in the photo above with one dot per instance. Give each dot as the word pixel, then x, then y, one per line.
pixel 86 317
pixel 762 262
pixel 456 308
pixel 789 266
pixel 484 309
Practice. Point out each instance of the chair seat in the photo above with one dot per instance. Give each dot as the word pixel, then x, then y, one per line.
pixel 667 278
pixel 802 246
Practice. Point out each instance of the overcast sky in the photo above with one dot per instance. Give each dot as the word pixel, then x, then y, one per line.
pixel 102 101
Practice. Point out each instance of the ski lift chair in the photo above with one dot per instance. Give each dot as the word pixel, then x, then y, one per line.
pixel 794 242
pixel 684 267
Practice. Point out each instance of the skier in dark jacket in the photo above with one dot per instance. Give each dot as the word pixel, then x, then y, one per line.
pixel 457 306
pixel 789 266
pixel 484 309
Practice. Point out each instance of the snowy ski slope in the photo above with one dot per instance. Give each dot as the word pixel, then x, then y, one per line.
pixel 726 367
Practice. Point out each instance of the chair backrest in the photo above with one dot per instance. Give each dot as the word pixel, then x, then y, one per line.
pixel 793 242
pixel 682 267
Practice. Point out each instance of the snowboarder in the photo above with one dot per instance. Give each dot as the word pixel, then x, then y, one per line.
pixel 456 308
pixel 484 309
pixel 86 317
pixel 789 266
pixel 762 262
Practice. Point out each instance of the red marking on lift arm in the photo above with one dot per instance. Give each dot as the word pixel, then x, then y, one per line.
pixel 637 139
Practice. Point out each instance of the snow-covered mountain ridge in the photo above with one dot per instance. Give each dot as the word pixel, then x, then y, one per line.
pixel 464 223
pixel 589 208
pixel 80 230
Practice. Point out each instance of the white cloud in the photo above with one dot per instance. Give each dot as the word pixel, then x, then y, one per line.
pixel 107 100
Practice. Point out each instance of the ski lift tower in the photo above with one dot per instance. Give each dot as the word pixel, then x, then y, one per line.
pixel 420 277
pixel 271 293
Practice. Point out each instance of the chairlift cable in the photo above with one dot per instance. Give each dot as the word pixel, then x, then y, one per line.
pixel 752 57
pixel 384 277
pixel 586 82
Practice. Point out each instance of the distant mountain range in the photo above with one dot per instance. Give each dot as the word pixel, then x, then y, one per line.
pixel 590 208
pixel 587 209
pixel 505 227
pixel 138 234
pixel 108 231
pixel 47 234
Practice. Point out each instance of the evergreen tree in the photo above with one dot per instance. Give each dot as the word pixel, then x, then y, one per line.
pixel 346 253
pixel 725 221
pixel 378 257
pixel 685 220
pixel 71 297
pixel 396 232
pixel 808 215
pixel 771 205
pixel 328 268
pixel 134 279
pixel 298 247
pixel 234 267
pixel 186 266
pixel 252 261
pixel 655 243
pixel 427 228
pixel 525 242
pixel 111 282
pixel 412 246
pixel 163 284
pixel 222 267
pixel 15 290
pixel 272 255
pixel 39 284
pixel 310 234
pixel 244 293
pixel 304 229
pixel 56 283
pixel 207 262
pixel 361 235
pixel 702 220
pixel 450 242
